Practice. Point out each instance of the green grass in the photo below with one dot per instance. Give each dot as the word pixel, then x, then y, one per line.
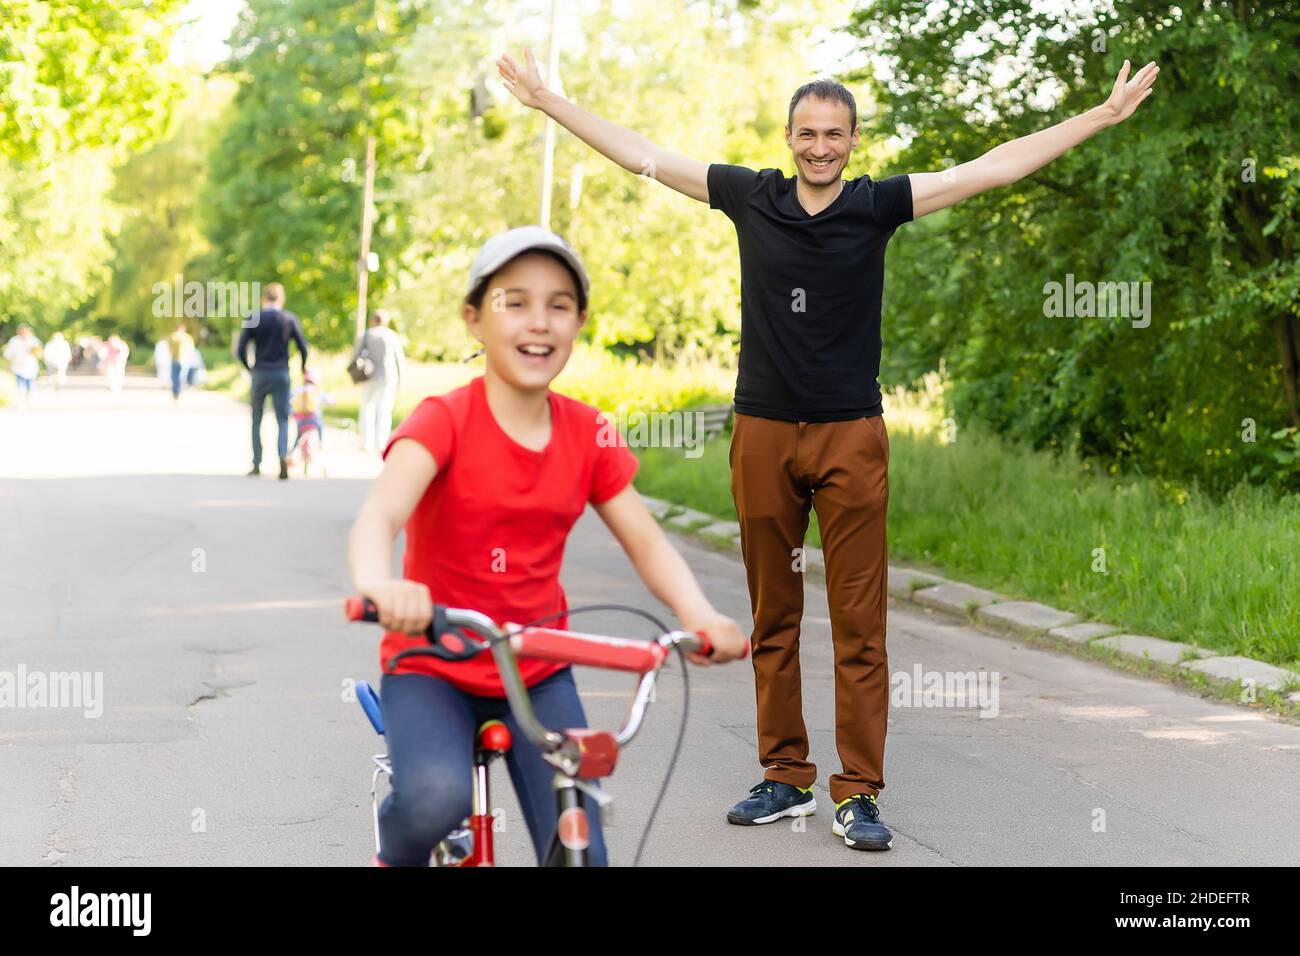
pixel 1222 574
pixel 1185 567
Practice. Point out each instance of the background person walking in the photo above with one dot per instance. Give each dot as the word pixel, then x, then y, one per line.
pixel 269 331
pixel 383 349
pixel 114 353
pixel 58 353
pixel 180 344
pixel 22 352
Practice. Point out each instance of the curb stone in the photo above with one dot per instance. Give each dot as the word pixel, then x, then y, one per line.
pixel 1084 632
pixel 659 509
pixel 1243 668
pixel 723 532
pixel 689 520
pixel 1150 648
pixel 904 581
pixel 954 597
pixel 1024 617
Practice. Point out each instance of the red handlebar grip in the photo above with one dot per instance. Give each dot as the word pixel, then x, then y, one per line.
pixel 360 609
pixel 706 645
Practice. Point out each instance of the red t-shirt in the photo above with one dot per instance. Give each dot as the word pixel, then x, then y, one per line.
pixel 489 532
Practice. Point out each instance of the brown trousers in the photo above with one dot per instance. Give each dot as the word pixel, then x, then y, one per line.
pixel 778 471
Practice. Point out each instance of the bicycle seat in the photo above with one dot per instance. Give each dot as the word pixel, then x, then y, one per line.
pixel 369 701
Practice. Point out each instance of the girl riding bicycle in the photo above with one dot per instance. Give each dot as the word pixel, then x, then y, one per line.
pixel 307 400
pixel 488 480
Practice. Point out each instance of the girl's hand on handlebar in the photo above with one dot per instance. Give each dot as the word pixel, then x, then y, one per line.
pixel 404 606
pixel 729 644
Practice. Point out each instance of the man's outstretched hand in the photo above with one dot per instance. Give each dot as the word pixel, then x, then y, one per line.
pixel 524 82
pixel 1127 94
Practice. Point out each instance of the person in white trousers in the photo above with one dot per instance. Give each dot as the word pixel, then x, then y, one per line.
pixel 379 392
pixel 58 354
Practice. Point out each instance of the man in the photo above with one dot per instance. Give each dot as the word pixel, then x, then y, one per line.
pixel 809 430
pixel 379 392
pixel 270 329
pixel 180 345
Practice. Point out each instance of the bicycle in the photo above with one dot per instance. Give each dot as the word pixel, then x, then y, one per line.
pixel 579 755
pixel 307 446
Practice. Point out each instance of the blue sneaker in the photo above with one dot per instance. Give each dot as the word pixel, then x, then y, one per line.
pixel 857 819
pixel 769 801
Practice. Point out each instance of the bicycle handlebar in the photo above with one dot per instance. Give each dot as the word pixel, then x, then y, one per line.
pixel 540 643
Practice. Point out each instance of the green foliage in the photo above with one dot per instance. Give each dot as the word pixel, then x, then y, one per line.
pixel 82 73
pixel 82 86
pixel 710 81
pixel 159 237
pixel 54 227
pixel 1165 198
pixel 284 200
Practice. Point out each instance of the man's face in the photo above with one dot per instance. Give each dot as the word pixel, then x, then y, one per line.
pixel 821 139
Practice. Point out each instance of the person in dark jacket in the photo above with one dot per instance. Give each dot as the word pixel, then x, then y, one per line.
pixel 269 330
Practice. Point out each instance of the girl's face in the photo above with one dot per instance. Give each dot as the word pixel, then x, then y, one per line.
pixel 528 320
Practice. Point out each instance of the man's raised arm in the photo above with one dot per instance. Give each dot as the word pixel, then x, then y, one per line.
pixel 629 149
pixel 1010 162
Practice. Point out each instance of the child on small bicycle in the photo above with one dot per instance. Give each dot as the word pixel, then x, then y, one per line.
pixel 307 400
pixel 487 481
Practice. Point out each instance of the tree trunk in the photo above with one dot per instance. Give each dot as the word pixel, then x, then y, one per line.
pixel 1288 342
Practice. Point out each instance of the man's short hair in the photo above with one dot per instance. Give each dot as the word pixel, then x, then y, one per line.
pixel 825 90
pixel 273 293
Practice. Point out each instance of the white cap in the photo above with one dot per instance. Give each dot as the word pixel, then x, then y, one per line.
pixel 504 246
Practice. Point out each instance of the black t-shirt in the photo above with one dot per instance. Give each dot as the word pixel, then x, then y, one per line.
pixel 810 289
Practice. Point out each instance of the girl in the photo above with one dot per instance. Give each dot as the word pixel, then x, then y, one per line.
pixel 488 480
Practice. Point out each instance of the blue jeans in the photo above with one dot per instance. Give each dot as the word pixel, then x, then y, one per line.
pixel 273 382
pixel 176 379
pixel 24 384
pixel 430 726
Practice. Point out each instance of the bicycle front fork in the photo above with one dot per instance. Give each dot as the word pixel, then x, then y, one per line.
pixel 572 834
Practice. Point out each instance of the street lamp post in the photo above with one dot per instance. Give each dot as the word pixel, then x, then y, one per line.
pixel 367 223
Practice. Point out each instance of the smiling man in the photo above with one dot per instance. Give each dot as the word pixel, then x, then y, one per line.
pixel 809 430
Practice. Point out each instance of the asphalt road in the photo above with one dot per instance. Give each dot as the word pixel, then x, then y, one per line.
pixel 135 547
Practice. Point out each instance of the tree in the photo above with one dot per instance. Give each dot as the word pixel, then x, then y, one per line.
pixel 83 73
pixel 1197 197
pixel 82 86
pixel 712 80
pixel 159 237
pixel 284 196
